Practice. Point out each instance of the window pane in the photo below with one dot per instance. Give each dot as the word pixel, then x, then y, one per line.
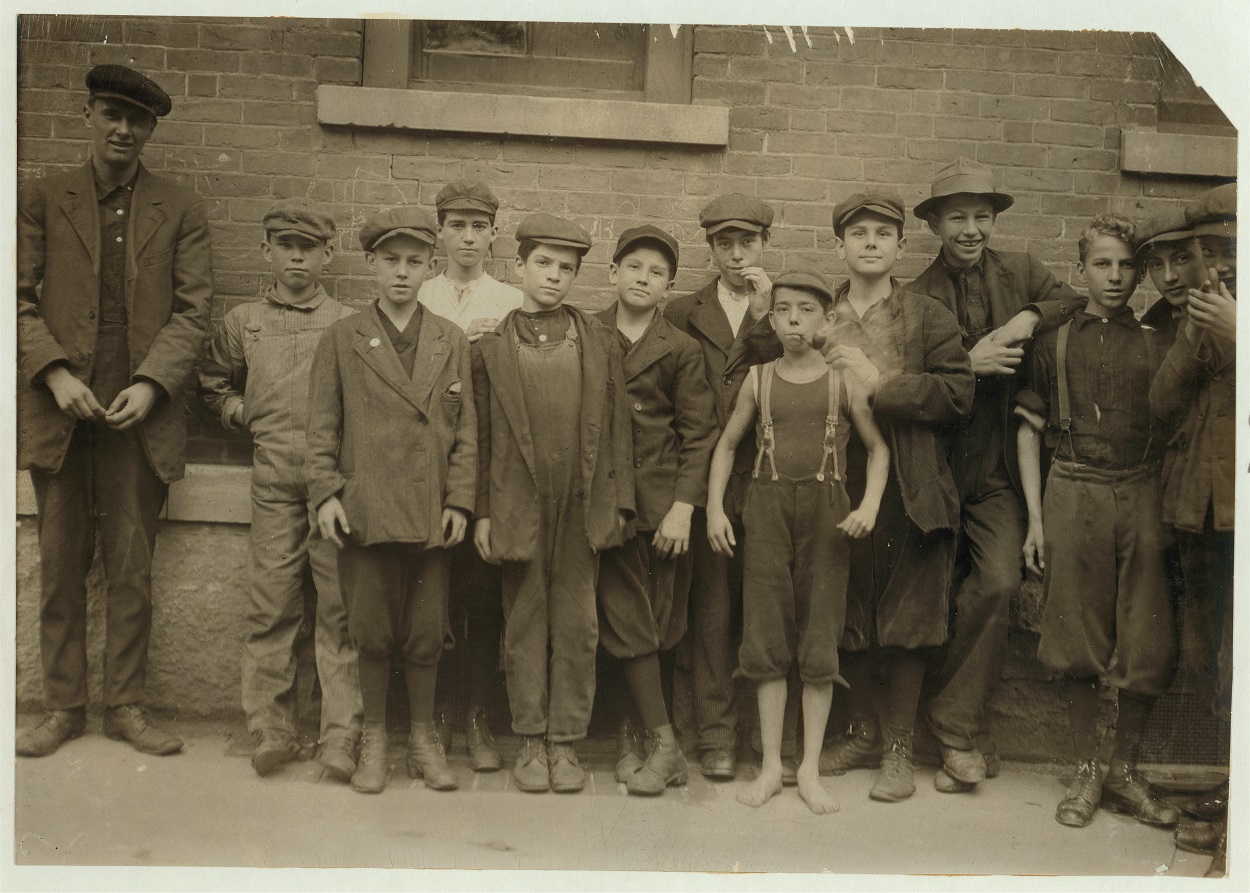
pixel 493 38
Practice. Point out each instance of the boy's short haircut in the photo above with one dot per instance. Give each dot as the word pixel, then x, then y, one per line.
pixel 808 281
pixel 1115 225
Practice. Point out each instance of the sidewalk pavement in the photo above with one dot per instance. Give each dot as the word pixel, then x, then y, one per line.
pixel 98 802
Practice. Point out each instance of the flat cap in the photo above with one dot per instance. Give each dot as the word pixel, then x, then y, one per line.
pixel 807 280
pixel 552 230
pixel 737 211
pixel 1214 213
pixel 128 85
pixel 300 217
pixel 406 220
pixel 880 203
pixel 647 233
pixel 466 195
pixel 964 177
pixel 1170 226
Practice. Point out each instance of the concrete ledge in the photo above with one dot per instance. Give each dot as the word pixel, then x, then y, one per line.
pixel 216 494
pixel 534 116
pixel 1179 154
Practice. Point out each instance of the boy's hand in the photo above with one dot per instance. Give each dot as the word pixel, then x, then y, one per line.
pixel 1214 311
pixel 1034 548
pixel 455 525
pixel 859 523
pixel 761 290
pixel 673 536
pixel 131 406
pixel 479 327
pixel 236 417
pixel 1018 329
pixel 481 540
pixel 330 519
pixel 720 533
pixel 72 396
pixel 993 357
pixel 853 360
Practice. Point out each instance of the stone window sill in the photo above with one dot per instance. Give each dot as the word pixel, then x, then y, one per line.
pixel 1177 154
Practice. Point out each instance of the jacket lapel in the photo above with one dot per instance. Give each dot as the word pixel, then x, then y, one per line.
pixel 1000 284
pixel 146 217
pixel 652 347
pixel 595 374
pixel 710 319
pixel 431 344
pixel 80 207
pixel 374 347
pixel 499 356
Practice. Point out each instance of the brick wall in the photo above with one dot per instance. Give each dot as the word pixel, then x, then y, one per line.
pixel 808 126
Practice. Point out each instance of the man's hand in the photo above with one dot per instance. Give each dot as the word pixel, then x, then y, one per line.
pixel 673 536
pixel 1017 330
pixel 993 357
pixel 132 406
pixel 72 396
pixel 853 360
pixel 479 327
pixel 859 523
pixel 761 291
pixel 720 533
pixel 455 525
pixel 481 540
pixel 1034 548
pixel 1214 311
pixel 331 519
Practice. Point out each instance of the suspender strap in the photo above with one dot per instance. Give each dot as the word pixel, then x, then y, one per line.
pixel 1152 366
pixel 832 417
pixel 1061 361
pixel 762 378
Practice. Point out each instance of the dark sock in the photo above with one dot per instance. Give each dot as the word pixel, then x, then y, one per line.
pixel 906 675
pixel 1082 697
pixel 666 679
pixel 420 692
pixel 375 675
pixel 483 658
pixel 643 675
pixel 1130 723
pixel 860 669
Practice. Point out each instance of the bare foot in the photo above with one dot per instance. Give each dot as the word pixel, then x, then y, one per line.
pixel 760 791
pixel 814 793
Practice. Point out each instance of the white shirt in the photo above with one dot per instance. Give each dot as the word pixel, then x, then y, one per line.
pixel 486 298
pixel 735 306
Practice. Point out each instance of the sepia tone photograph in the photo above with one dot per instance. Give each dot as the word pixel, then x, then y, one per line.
pixel 687 449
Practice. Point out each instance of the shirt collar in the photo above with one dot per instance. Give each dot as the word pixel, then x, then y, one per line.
pixel 955 272
pixel 1124 316
pixel 311 303
pixel 102 190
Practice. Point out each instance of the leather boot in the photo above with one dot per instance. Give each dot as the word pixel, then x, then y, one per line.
pixel 1219 862
pixel 443 726
pixel 666 765
pixel 1199 837
pixel 274 749
pixel 859 748
pixel 130 722
pixel 531 772
pixel 370 774
pixel 896 780
pixel 484 756
pixel 427 759
pixel 567 774
pixel 56 727
pixel 1077 808
pixel 630 752
pixel 1126 792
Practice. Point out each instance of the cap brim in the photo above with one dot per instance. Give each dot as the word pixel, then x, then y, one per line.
pixel 734 224
pixel 879 210
pixel 419 234
pixel 129 100
pixel 561 243
pixel 1000 201
pixel 1180 235
pixel 1224 228
pixel 297 232
pixel 624 248
pixel 467 204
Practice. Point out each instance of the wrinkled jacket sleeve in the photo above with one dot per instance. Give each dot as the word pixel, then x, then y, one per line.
pixel 694 417
pixel 1055 301
pixel 325 422
pixel 37 349
pixel 1176 384
pixel 942 394
pixel 176 347
pixel 462 464
pixel 223 372
pixel 481 403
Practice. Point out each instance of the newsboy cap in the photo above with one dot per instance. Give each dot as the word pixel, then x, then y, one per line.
pixel 406 220
pixel 128 85
pixel 300 217
pixel 1214 213
pixel 646 233
pixel 552 230
pixel 806 280
pixel 1170 226
pixel 737 211
pixel 466 195
pixel 963 177
pixel 880 203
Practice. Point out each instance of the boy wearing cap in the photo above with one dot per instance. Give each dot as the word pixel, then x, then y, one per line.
pixel 555 489
pixel 798 522
pixel 474 300
pixel 114 282
pixel 644 584
pixel 256 378
pixel 999 299
pixel 392 459
pixel 904 352
pixel 1096 536
pixel 1165 249
pixel 1196 386
pixel 728 320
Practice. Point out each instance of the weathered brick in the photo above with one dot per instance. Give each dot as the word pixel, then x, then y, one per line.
pixel 932 35
pixel 808 119
pixel 569 178
pixel 679 158
pixel 860 122
pixel 979 81
pixel 289 163
pixel 248 38
pixel 709 185
pixel 249 210
pixel 829 167
pixel 803 96
pixel 867 144
pixel 745 142
pixel 945 127
pixel 332 70
pixel 710 66
pixel 307 139
pixel 322 42
pixel 940 150
pixel 40 127
pixel 49 77
pixel 792 189
pixel 837 74
pixel 201 85
pixel 160 32
pixel 179 133
pixel 1093 65
pixel 1034 180
pixel 1019 108
pixel 876 99
pixel 439 170
pixel 597 203
pixel 202 60
pixel 738 41
pixel 889 77
pixel 502 173
pixel 231 184
pixel 545 151
pixel 1083 112
pixel 1050 85
pixel 354 167
pixel 767 165
pixel 1068 134
pixel 381 142
pixel 1067 41
pixel 752 69
pixel 1016 59
pixel 1074 205
pixel 366 192
pixel 222 111
pixel 728 92
pixel 883 170
pixel 283 64
pixel 988 37
pixel 996 153
pixel 52 151
pixel 664 208
pixel 789 238
pixel 243 86
pixel 147 59
pixel 958 104
pixel 277 113
pixel 1124 91
pixel 932 54
pixel 612 156
pixel 1030 226
pixel 72 28
pixel 759 117
pixel 245 137
pixel 914 125
pixel 787 143
pixel 1018 131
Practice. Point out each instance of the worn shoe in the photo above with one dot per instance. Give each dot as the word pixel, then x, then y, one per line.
pixel 719 764
pixel 567 775
pixel 531 772
pixel 1199 837
pixel 484 756
pixel 1213 806
pixel 896 780
pixel 1219 862
pixel 944 784
pixel 859 748
pixel 338 758
pixel 1077 808
pixel 56 727
pixel 993 762
pixel 370 774
pixel 130 723
pixel 665 765
pixel 631 752
pixel 274 749
pixel 443 725
pixel 967 766
pixel 1126 792
pixel 427 759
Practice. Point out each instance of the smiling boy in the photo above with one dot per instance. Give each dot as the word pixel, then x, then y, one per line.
pixel 1165 249
pixel 1097 537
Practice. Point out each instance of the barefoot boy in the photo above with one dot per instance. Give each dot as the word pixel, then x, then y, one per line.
pixel 797 520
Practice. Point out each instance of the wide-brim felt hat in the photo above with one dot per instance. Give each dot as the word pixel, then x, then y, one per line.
pixel 964 177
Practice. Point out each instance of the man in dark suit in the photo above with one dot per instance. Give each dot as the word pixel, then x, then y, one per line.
pixel 114 283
